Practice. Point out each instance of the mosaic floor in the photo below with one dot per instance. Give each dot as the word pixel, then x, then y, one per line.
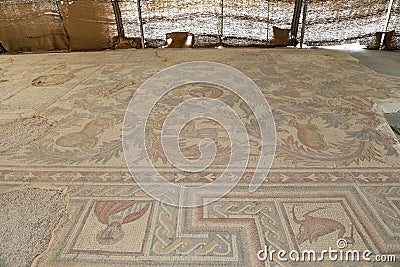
pixel 335 175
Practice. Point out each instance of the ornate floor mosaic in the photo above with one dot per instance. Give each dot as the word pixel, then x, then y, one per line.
pixel 335 175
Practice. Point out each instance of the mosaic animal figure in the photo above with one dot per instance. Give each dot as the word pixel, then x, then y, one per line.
pixel 309 135
pixel 311 228
pixel 114 214
pixel 88 137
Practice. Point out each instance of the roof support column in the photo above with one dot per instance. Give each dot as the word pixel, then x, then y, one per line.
pixel 295 21
pixel 139 8
pixel 303 22
pixel 386 23
pixel 118 18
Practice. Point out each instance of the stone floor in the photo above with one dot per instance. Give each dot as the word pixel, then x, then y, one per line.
pixel 386 62
pixel 334 177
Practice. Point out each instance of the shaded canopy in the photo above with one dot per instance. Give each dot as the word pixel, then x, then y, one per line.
pixel 47 25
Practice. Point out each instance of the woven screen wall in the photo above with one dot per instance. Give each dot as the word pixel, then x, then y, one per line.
pixel 337 22
pixel 395 23
pixel 200 17
pixel 45 25
pixel 130 18
pixel 90 24
pixel 249 22
pixel 31 26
